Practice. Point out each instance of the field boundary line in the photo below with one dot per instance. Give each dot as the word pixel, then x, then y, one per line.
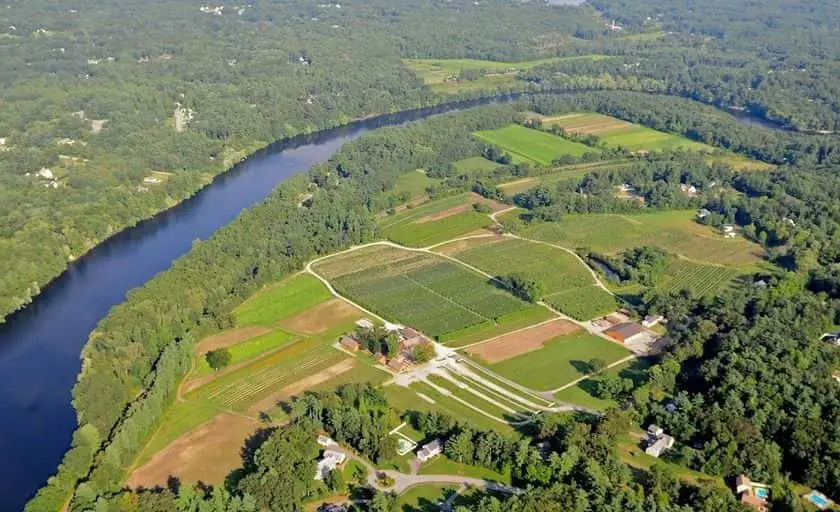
pixel 594 374
pixel 515 331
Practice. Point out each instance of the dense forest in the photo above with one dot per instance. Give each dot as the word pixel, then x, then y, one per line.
pixel 114 111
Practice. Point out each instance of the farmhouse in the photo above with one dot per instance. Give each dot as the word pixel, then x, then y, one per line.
pixel 430 450
pixel 410 337
pixel 626 332
pixel 652 320
pixel 329 461
pixel 752 494
pixel 349 343
pixel 364 323
pixel 658 442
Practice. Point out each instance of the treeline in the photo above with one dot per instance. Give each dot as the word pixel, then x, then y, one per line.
pixel 136 356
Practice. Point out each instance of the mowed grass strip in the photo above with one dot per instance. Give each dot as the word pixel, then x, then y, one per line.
pixel 461 411
pixel 247 350
pixel 556 269
pixel 535 145
pixel 473 399
pixel 282 300
pixel 560 361
pixel 674 231
pixel 583 303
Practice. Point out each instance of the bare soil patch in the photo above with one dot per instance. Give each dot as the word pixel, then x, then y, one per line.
pixel 522 342
pixel 207 454
pixel 302 385
pixel 322 317
pixel 229 338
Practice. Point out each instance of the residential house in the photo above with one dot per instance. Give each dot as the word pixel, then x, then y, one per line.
pixel 626 332
pixel 753 494
pixel 397 364
pixel 652 320
pixel 430 450
pixel 349 343
pixel 325 441
pixel 831 337
pixel 658 442
pixel 364 323
pixel 332 507
pixel 330 460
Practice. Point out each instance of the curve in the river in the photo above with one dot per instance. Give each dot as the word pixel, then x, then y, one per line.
pixel 40 345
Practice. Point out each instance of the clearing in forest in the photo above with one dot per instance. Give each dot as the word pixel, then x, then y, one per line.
pixel 419 289
pixel 437 221
pixel 521 342
pixel 674 231
pixel 615 132
pixel 560 361
pixel 537 146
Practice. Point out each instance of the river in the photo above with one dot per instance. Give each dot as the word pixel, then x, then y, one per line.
pixel 40 345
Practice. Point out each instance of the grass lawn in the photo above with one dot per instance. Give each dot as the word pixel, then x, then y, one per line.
pixel 460 411
pixel 535 145
pixel 476 164
pixel 674 231
pixel 503 325
pixel 247 350
pixel 475 400
pixel 560 361
pixel 413 183
pixel 424 498
pixel 436 231
pixel 582 392
pixel 281 300
pixel 633 455
pixel 442 465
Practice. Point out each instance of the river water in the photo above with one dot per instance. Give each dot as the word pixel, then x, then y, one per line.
pixel 40 346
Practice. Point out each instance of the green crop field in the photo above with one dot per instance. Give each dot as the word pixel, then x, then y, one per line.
pixel 537 146
pixel 559 174
pixel 673 231
pixel 556 269
pixel 435 231
pixel 476 164
pixel 702 280
pixel 615 132
pixel 418 289
pixel 502 325
pixel 413 183
pixel 282 300
pixel 560 361
pixel 248 349
pixel 583 303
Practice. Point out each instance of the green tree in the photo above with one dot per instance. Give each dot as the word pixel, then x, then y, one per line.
pixel 423 352
pixel 218 359
pixel 335 481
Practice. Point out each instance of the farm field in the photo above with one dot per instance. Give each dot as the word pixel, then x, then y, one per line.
pixel 458 409
pixel 281 300
pixel 561 360
pixel 413 183
pixel 537 146
pixel 674 231
pixel 702 280
pixel 437 221
pixel 583 303
pixel 521 342
pixel 247 350
pixel 559 174
pixel 422 290
pixel 502 325
pixel 556 269
pixel 616 132
pixel 476 164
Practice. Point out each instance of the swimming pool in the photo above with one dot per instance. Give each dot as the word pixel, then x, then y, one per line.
pixel 819 499
pixel 762 493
